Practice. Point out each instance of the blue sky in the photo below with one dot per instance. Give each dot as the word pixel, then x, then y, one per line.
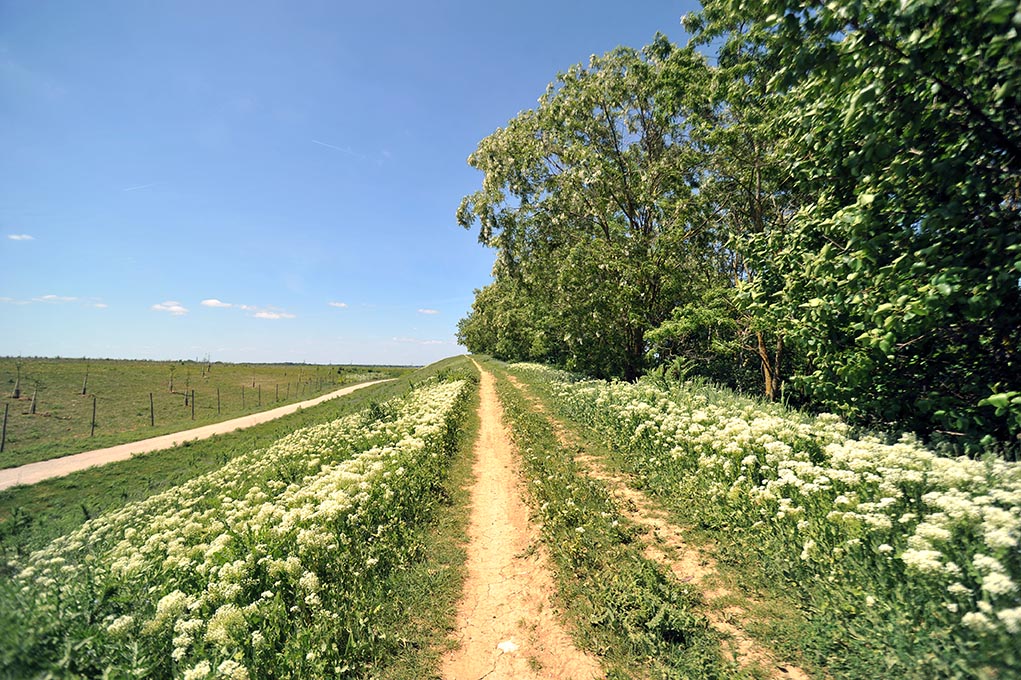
pixel 263 181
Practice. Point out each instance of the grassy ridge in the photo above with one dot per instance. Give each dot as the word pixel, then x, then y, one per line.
pixel 337 574
pixel 62 422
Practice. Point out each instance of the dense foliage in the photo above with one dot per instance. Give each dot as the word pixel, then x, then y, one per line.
pixel 831 211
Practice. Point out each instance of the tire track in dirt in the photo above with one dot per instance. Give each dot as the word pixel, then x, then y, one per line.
pixel 506 625
pixel 666 545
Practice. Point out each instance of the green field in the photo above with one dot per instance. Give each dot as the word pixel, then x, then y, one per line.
pixel 52 413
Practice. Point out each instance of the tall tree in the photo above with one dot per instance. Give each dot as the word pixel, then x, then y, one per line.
pixel 901 280
pixel 587 199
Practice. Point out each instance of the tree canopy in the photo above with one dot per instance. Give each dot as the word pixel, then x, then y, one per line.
pixel 831 211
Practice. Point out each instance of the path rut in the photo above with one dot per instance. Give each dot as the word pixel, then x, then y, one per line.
pixel 666 545
pixel 506 624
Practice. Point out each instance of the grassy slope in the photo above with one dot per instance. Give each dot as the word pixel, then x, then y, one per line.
pixel 31 516
pixel 61 424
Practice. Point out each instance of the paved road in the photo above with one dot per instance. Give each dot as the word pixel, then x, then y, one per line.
pixel 58 467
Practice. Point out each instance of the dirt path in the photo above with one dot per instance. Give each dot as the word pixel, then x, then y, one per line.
pixel 58 467
pixel 666 545
pixel 506 626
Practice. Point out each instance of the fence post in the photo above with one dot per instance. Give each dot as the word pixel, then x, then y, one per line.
pixel 92 432
pixel 217 401
pixel 152 412
pixel 3 435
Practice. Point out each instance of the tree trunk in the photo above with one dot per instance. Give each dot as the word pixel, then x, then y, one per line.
pixel 635 355
pixel 770 365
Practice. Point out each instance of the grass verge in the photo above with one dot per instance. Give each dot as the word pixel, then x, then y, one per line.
pixel 425 595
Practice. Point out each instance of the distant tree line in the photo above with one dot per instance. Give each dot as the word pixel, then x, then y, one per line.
pixel 830 213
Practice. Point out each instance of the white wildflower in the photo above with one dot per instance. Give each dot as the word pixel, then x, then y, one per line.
pixel 232 670
pixel 199 671
pixel 1011 619
pixel 120 625
pixel 977 621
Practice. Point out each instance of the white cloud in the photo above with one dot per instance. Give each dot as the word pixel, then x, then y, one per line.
pixel 21 237
pixel 55 298
pixel 267 314
pixel 428 311
pixel 419 341
pixel 339 305
pixel 256 311
pixel 171 306
pixel 100 305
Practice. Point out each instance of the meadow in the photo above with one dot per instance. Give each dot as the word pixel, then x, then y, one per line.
pixel 283 560
pixel 52 412
pixel 331 543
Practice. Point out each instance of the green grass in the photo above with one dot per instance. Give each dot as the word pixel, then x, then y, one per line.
pixel 31 516
pixel 62 422
pixel 425 595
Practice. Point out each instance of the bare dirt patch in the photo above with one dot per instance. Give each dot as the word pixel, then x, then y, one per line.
pixel 506 625
pixel 666 545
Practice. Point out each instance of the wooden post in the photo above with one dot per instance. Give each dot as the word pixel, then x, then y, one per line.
pixel 92 432
pixel 277 397
pixel 35 393
pixel 3 435
pixel 85 383
pixel 193 404
pixel 152 412
pixel 16 394
pixel 217 401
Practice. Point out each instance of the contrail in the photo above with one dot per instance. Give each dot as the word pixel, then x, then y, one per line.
pixel 335 148
pixel 141 186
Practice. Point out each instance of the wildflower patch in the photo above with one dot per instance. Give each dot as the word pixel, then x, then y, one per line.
pixel 273 564
pixel 908 557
